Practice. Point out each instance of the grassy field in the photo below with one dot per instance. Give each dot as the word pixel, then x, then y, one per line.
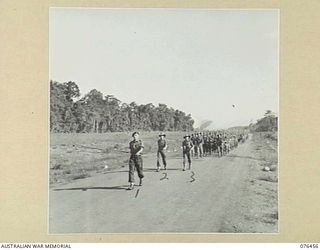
pixel 76 156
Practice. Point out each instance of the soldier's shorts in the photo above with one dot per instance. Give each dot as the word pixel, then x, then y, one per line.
pixel 135 162
pixel 163 155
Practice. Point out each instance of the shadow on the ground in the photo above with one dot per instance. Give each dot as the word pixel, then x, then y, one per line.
pixel 144 170
pixel 112 171
pixel 244 157
pixel 88 188
pixel 195 158
pixel 162 170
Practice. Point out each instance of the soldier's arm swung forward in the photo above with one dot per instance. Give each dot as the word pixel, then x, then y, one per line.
pixel 141 149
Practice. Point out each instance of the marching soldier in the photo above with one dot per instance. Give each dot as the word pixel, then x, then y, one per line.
pixel 162 146
pixel 195 143
pixel 213 145
pixel 135 161
pixel 204 142
pixel 200 144
pixel 187 145
pixel 192 138
pixel 219 145
pixel 205 145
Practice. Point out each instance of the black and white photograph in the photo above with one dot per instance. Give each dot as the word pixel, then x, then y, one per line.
pixel 163 121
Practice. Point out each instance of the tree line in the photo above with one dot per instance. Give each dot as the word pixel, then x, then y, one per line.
pixel 268 123
pixel 97 113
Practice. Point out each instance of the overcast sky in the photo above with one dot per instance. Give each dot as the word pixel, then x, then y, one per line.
pixel 199 61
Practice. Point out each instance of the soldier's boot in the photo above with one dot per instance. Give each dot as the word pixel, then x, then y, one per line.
pixel 184 167
pixel 140 183
pixel 189 166
pixel 131 186
pixel 165 167
pixel 158 165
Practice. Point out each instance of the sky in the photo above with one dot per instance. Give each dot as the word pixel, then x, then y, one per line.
pixel 218 65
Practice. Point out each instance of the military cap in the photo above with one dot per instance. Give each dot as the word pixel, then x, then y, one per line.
pixel 162 134
pixel 136 132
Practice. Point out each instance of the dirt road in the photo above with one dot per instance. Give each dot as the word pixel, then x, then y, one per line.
pixel 214 196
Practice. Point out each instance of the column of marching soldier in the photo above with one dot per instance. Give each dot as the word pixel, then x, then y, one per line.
pixel 197 145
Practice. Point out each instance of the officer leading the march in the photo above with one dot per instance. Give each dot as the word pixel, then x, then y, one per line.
pixel 135 161
pixel 162 146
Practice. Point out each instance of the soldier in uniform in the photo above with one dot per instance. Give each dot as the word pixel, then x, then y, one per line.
pixel 208 145
pixel 135 161
pixel 196 145
pixel 192 138
pixel 213 145
pixel 219 144
pixel 205 140
pixel 187 145
pixel 200 144
pixel 162 146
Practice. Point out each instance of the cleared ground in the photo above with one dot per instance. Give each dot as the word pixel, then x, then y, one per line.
pixel 231 194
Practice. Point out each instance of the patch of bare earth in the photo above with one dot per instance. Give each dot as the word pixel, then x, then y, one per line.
pixel 256 210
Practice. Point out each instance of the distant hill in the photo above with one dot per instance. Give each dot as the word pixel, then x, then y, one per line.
pixel 238 128
pixel 205 124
